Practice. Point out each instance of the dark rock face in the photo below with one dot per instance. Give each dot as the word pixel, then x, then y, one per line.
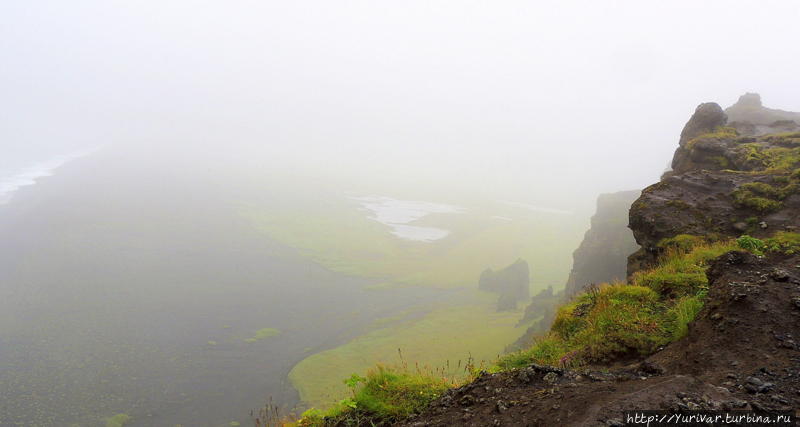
pixel 603 254
pixel 511 283
pixel 723 183
pixel 706 118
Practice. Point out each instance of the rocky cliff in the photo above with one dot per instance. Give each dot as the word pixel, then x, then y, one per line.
pixel 739 352
pixel 602 256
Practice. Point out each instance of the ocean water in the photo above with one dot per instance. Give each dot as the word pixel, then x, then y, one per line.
pixel 20 170
pixel 399 214
pixel 139 288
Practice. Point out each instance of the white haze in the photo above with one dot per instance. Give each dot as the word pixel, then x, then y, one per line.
pixel 538 102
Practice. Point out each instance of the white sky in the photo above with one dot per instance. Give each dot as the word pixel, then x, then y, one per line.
pixel 576 97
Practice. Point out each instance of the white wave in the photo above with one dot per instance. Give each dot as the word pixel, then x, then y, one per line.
pixel 30 174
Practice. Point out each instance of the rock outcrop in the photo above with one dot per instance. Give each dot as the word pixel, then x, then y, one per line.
pixel 602 256
pixel 723 184
pixel 511 283
pixel 542 307
pixel 750 117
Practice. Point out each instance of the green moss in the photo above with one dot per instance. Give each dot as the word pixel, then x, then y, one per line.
pixel 721 161
pixel 762 196
pixel 118 420
pixel 678 204
pixel 721 133
pixel 744 198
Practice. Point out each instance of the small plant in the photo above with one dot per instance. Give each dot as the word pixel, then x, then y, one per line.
pixel 353 382
pixel 783 242
pixel 685 310
pixel 751 244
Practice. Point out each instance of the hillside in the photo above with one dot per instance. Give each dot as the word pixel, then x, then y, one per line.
pixel 707 319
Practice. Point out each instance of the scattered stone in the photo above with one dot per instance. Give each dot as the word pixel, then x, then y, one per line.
pixel 650 368
pixel 780 399
pixel 763 225
pixel 550 377
pixel 467 400
pixel 501 406
pixel 756 385
pixel 780 275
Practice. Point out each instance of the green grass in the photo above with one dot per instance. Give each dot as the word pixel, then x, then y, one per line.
pixel 684 311
pixel 385 395
pixel 439 343
pixel 782 242
pixel 622 320
pixel 681 272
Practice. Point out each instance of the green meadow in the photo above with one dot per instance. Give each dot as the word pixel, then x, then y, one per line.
pixel 442 342
pixel 341 236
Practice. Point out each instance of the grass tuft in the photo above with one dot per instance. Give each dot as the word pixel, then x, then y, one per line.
pixel 384 396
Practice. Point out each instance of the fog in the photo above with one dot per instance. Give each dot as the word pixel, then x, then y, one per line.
pixel 177 177
pixel 487 96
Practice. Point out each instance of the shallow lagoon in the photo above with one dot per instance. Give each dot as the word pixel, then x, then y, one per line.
pixel 399 214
